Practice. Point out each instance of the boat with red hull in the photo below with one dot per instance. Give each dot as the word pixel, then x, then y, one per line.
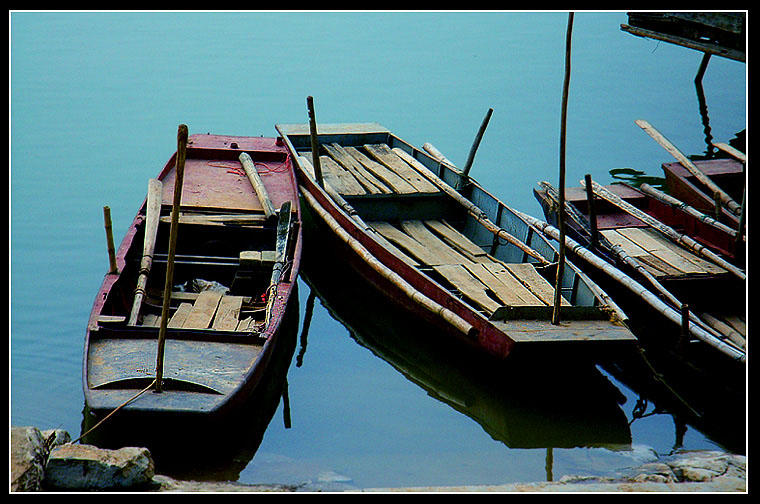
pixel 234 276
pixel 462 261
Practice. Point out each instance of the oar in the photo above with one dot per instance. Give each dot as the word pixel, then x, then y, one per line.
pixel 152 214
pixel 281 247
pixel 476 143
pixel 687 241
pixel 724 198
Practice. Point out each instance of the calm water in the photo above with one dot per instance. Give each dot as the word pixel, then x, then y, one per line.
pixel 95 103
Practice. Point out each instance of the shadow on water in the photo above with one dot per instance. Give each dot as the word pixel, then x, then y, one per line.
pixel 538 403
pixel 207 449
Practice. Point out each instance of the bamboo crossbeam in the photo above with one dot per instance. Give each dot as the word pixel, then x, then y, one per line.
pixel 687 241
pixel 639 290
pixel 721 195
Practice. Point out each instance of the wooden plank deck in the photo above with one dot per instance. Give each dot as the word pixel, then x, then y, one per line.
pixel 658 255
pixel 486 282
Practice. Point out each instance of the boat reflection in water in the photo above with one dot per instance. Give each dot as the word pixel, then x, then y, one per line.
pixel 202 449
pixel 548 402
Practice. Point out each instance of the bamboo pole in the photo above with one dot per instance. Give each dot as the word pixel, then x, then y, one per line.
pixel 592 213
pixel 724 198
pixel 472 209
pixel 179 174
pixel 562 144
pixel 436 154
pixel 687 241
pixel 113 268
pixel 409 290
pixel 258 184
pixel 680 205
pixel 639 290
pixel 152 215
pixel 476 143
pixel 739 155
pixel 314 142
pixel 629 260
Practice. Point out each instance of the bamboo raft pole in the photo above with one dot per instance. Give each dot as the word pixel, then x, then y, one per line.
pixel 179 174
pixel 471 208
pixel 437 155
pixel 639 290
pixel 562 149
pixel 680 205
pixel 720 195
pixel 152 214
pixel 409 290
pixel 258 184
pixel 687 241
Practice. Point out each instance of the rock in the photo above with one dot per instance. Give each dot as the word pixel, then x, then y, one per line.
pixel 86 467
pixel 28 456
pixel 56 437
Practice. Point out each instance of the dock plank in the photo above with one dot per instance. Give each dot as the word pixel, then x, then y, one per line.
pixel 227 313
pixel 371 184
pixel 384 155
pixel 203 310
pixel 392 179
pixel 467 284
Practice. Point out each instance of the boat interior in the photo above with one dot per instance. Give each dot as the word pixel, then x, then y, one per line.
pixel 428 229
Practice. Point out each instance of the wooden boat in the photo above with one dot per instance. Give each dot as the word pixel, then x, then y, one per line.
pixel 630 236
pixel 464 263
pixel 238 253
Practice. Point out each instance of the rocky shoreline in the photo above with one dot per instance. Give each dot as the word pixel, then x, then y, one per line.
pixel 47 461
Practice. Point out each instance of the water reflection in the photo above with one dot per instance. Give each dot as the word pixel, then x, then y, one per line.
pixel 204 449
pixel 538 403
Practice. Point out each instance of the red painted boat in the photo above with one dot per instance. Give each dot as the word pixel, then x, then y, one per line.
pixel 728 174
pixel 234 278
pixel 462 262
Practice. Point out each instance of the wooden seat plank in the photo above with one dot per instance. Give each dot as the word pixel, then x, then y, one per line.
pixel 203 310
pixel 341 179
pixel 227 313
pixel 371 184
pixel 504 285
pixel 408 243
pixel 179 317
pixel 651 263
pixel 671 254
pixel 392 179
pixel 526 273
pixel 418 231
pixel 467 284
pixel 384 155
pixel 455 238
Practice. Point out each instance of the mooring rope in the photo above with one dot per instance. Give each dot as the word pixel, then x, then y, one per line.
pixel 115 410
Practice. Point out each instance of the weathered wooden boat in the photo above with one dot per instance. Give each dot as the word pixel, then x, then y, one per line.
pixel 237 256
pixel 645 239
pixel 464 262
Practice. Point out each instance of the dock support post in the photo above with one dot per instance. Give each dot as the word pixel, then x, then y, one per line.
pixel 179 173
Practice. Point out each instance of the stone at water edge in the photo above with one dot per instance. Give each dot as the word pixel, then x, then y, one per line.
pixel 85 467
